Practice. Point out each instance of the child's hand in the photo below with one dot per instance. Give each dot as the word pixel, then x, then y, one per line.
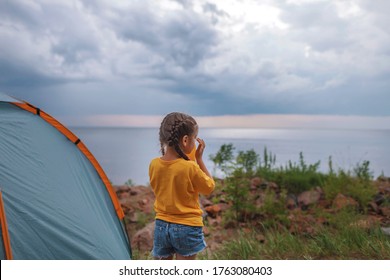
pixel 200 149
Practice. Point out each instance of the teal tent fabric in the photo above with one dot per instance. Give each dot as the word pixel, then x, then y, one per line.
pixel 6 98
pixel 56 205
pixel 2 252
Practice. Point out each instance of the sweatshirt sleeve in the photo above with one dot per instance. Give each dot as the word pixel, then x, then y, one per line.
pixel 203 183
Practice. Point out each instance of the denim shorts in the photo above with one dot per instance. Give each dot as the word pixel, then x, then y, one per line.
pixel 170 238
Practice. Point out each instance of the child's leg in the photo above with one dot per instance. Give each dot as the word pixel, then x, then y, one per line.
pixel 180 257
pixel 164 259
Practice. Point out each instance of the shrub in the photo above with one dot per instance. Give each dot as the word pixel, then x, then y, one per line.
pixel 359 188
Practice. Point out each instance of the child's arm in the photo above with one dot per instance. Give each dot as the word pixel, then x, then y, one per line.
pixel 199 156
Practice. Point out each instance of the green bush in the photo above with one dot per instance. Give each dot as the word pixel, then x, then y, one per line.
pixel 359 188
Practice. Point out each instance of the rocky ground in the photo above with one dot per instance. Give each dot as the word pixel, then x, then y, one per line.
pixel 301 211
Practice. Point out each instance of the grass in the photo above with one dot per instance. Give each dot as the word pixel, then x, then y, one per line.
pixel 342 240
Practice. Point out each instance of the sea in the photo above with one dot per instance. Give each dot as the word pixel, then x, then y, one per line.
pixel 125 153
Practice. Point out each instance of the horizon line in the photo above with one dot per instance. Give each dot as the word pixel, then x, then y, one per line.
pixel 237 121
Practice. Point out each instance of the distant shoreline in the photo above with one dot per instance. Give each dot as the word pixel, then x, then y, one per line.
pixel 238 121
pixel 238 128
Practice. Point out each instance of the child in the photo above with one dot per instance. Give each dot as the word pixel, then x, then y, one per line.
pixel 177 182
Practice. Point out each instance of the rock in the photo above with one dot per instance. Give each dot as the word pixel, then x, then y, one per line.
pixel 341 201
pixel 264 185
pixel 136 198
pixel 143 202
pixel 291 201
pixel 205 202
pixel 214 222
pixel 385 211
pixel 322 221
pixel 123 195
pixel 386 230
pixel 218 238
pixel 308 198
pixel 214 210
pixel 374 207
pixel 259 202
pixel 301 222
pixel 143 239
pixel 274 187
pixel 256 182
pixel 126 209
pixel 230 225
pixel 379 198
pixel 132 217
pixel 121 189
pixel 384 188
pixel 260 238
pixel 133 192
pixel 383 179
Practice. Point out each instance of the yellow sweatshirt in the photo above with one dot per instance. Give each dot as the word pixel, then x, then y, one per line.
pixel 177 185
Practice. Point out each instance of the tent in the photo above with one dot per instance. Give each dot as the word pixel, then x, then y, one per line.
pixel 56 202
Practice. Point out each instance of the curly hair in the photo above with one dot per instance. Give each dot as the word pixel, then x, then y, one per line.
pixel 173 128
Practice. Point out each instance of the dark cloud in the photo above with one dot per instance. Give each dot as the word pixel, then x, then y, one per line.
pixel 14 75
pixel 45 44
pixel 205 57
pixel 183 38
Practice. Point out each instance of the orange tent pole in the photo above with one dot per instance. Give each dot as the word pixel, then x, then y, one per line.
pixel 4 230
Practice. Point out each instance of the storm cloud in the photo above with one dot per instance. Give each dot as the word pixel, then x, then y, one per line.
pixel 203 57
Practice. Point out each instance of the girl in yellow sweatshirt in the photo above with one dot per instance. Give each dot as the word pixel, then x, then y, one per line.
pixel 177 182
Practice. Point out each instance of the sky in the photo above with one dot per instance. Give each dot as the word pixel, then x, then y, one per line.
pixel 85 60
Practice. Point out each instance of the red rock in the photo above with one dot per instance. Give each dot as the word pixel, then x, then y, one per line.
pixel 143 202
pixel 374 207
pixel 341 201
pixel 256 182
pixel 322 221
pixel 143 239
pixel 126 209
pixel 123 195
pixel 133 192
pixel 291 202
pixel 214 222
pixel 230 224
pixel 213 210
pixel 121 189
pixel 205 202
pixel 385 211
pixel 308 198
pixel 273 186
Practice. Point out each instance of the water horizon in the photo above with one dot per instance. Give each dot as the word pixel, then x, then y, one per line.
pixel 125 152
